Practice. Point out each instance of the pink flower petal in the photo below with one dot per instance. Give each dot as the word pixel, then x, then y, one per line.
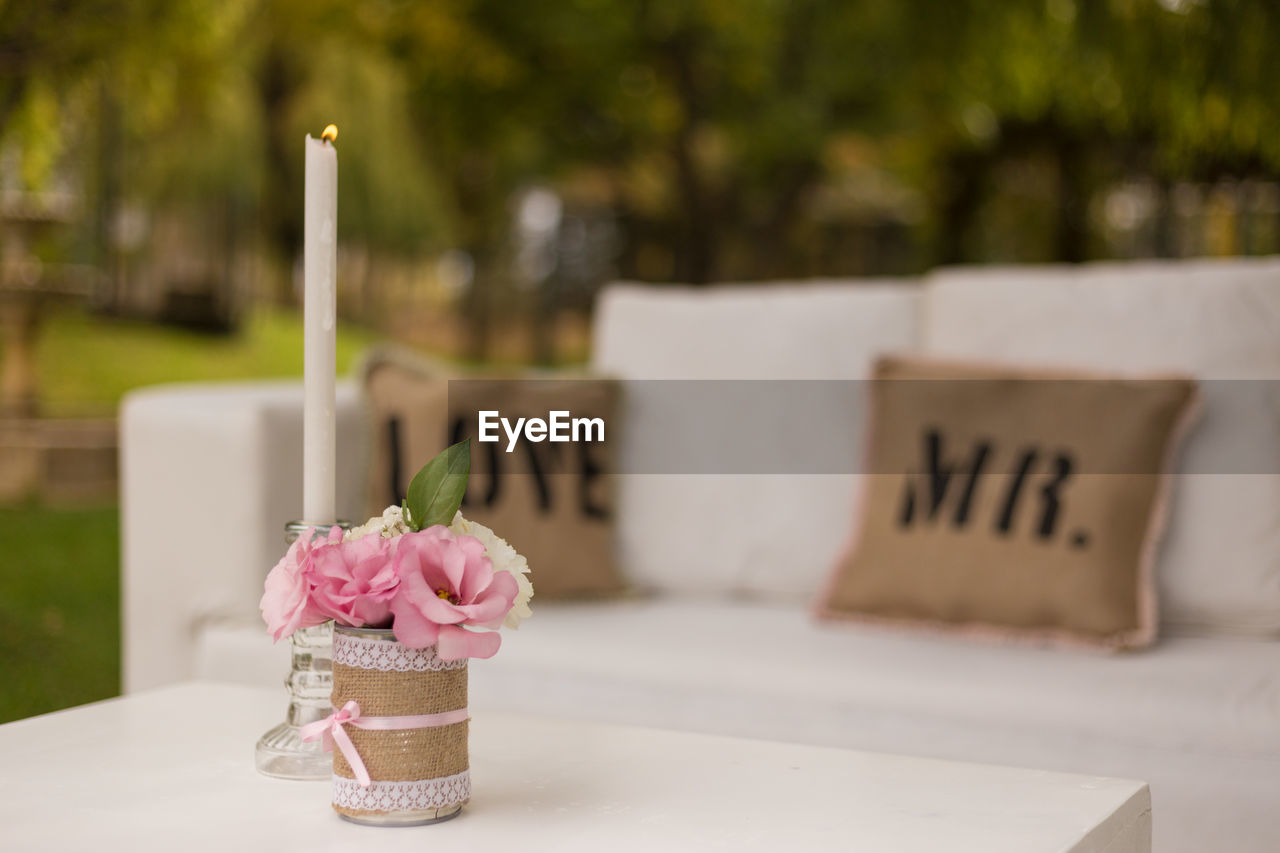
pixel 440 611
pixel 373 613
pixel 455 567
pixel 409 625
pixel 495 602
pixel 422 554
pixel 480 568
pixel 455 643
pixel 286 604
pixel 385 576
pixel 427 602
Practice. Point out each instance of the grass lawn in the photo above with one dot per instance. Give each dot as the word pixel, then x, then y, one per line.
pixel 59 608
pixel 86 363
pixel 60 568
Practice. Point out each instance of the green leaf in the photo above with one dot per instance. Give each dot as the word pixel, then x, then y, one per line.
pixel 436 491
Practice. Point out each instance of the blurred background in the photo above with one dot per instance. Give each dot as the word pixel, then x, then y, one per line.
pixel 500 162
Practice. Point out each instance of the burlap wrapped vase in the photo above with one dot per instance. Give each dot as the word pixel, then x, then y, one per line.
pixel 399 730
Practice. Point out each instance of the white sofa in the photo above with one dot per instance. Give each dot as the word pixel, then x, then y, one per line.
pixel 725 643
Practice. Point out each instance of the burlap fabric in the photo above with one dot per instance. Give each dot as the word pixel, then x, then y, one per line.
pixel 410 755
pixel 537 497
pixel 1018 503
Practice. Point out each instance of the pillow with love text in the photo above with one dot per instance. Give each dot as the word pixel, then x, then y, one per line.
pixel 1023 503
pixel 543 476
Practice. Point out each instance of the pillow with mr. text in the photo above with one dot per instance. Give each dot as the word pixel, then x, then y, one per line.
pixel 1023 503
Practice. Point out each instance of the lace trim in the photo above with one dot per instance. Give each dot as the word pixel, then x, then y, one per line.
pixel 422 795
pixel 387 655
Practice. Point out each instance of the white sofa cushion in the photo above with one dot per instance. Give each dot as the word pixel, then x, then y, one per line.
pixel 736 532
pixel 1217 320
pixel 685 664
pixel 1208 695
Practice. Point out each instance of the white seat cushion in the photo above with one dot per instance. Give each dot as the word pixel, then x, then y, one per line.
pixel 1213 695
pixel 777 673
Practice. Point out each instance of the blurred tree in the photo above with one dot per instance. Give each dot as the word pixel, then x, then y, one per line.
pixel 294 40
pixel 105 78
pixel 725 138
pixel 46 44
pixel 1163 90
pixel 743 101
pixel 706 125
pixel 317 62
pixel 484 110
pixel 63 66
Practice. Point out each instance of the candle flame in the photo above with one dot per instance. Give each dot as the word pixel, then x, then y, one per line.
pixel 330 133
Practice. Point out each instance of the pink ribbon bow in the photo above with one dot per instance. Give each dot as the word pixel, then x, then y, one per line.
pixel 331 729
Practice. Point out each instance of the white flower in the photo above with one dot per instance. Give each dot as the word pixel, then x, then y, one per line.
pixel 390 523
pixel 505 559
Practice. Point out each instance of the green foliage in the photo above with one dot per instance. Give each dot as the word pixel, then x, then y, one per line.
pixel 436 491
pixel 59 609
pixel 86 364
pixel 1192 80
pixel 718 131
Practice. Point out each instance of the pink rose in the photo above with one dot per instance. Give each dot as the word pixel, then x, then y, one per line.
pixel 286 602
pixel 447 582
pixel 353 581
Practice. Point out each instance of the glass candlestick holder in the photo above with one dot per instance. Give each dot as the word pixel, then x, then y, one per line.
pixel 281 752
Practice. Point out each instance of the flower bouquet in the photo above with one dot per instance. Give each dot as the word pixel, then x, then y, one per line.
pixel 413 594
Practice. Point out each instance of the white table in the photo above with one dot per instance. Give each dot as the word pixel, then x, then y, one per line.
pixel 172 769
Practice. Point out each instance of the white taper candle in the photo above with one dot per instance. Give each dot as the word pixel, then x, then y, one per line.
pixel 320 312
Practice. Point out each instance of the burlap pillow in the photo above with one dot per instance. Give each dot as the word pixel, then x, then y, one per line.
pixel 552 502
pixel 1012 501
